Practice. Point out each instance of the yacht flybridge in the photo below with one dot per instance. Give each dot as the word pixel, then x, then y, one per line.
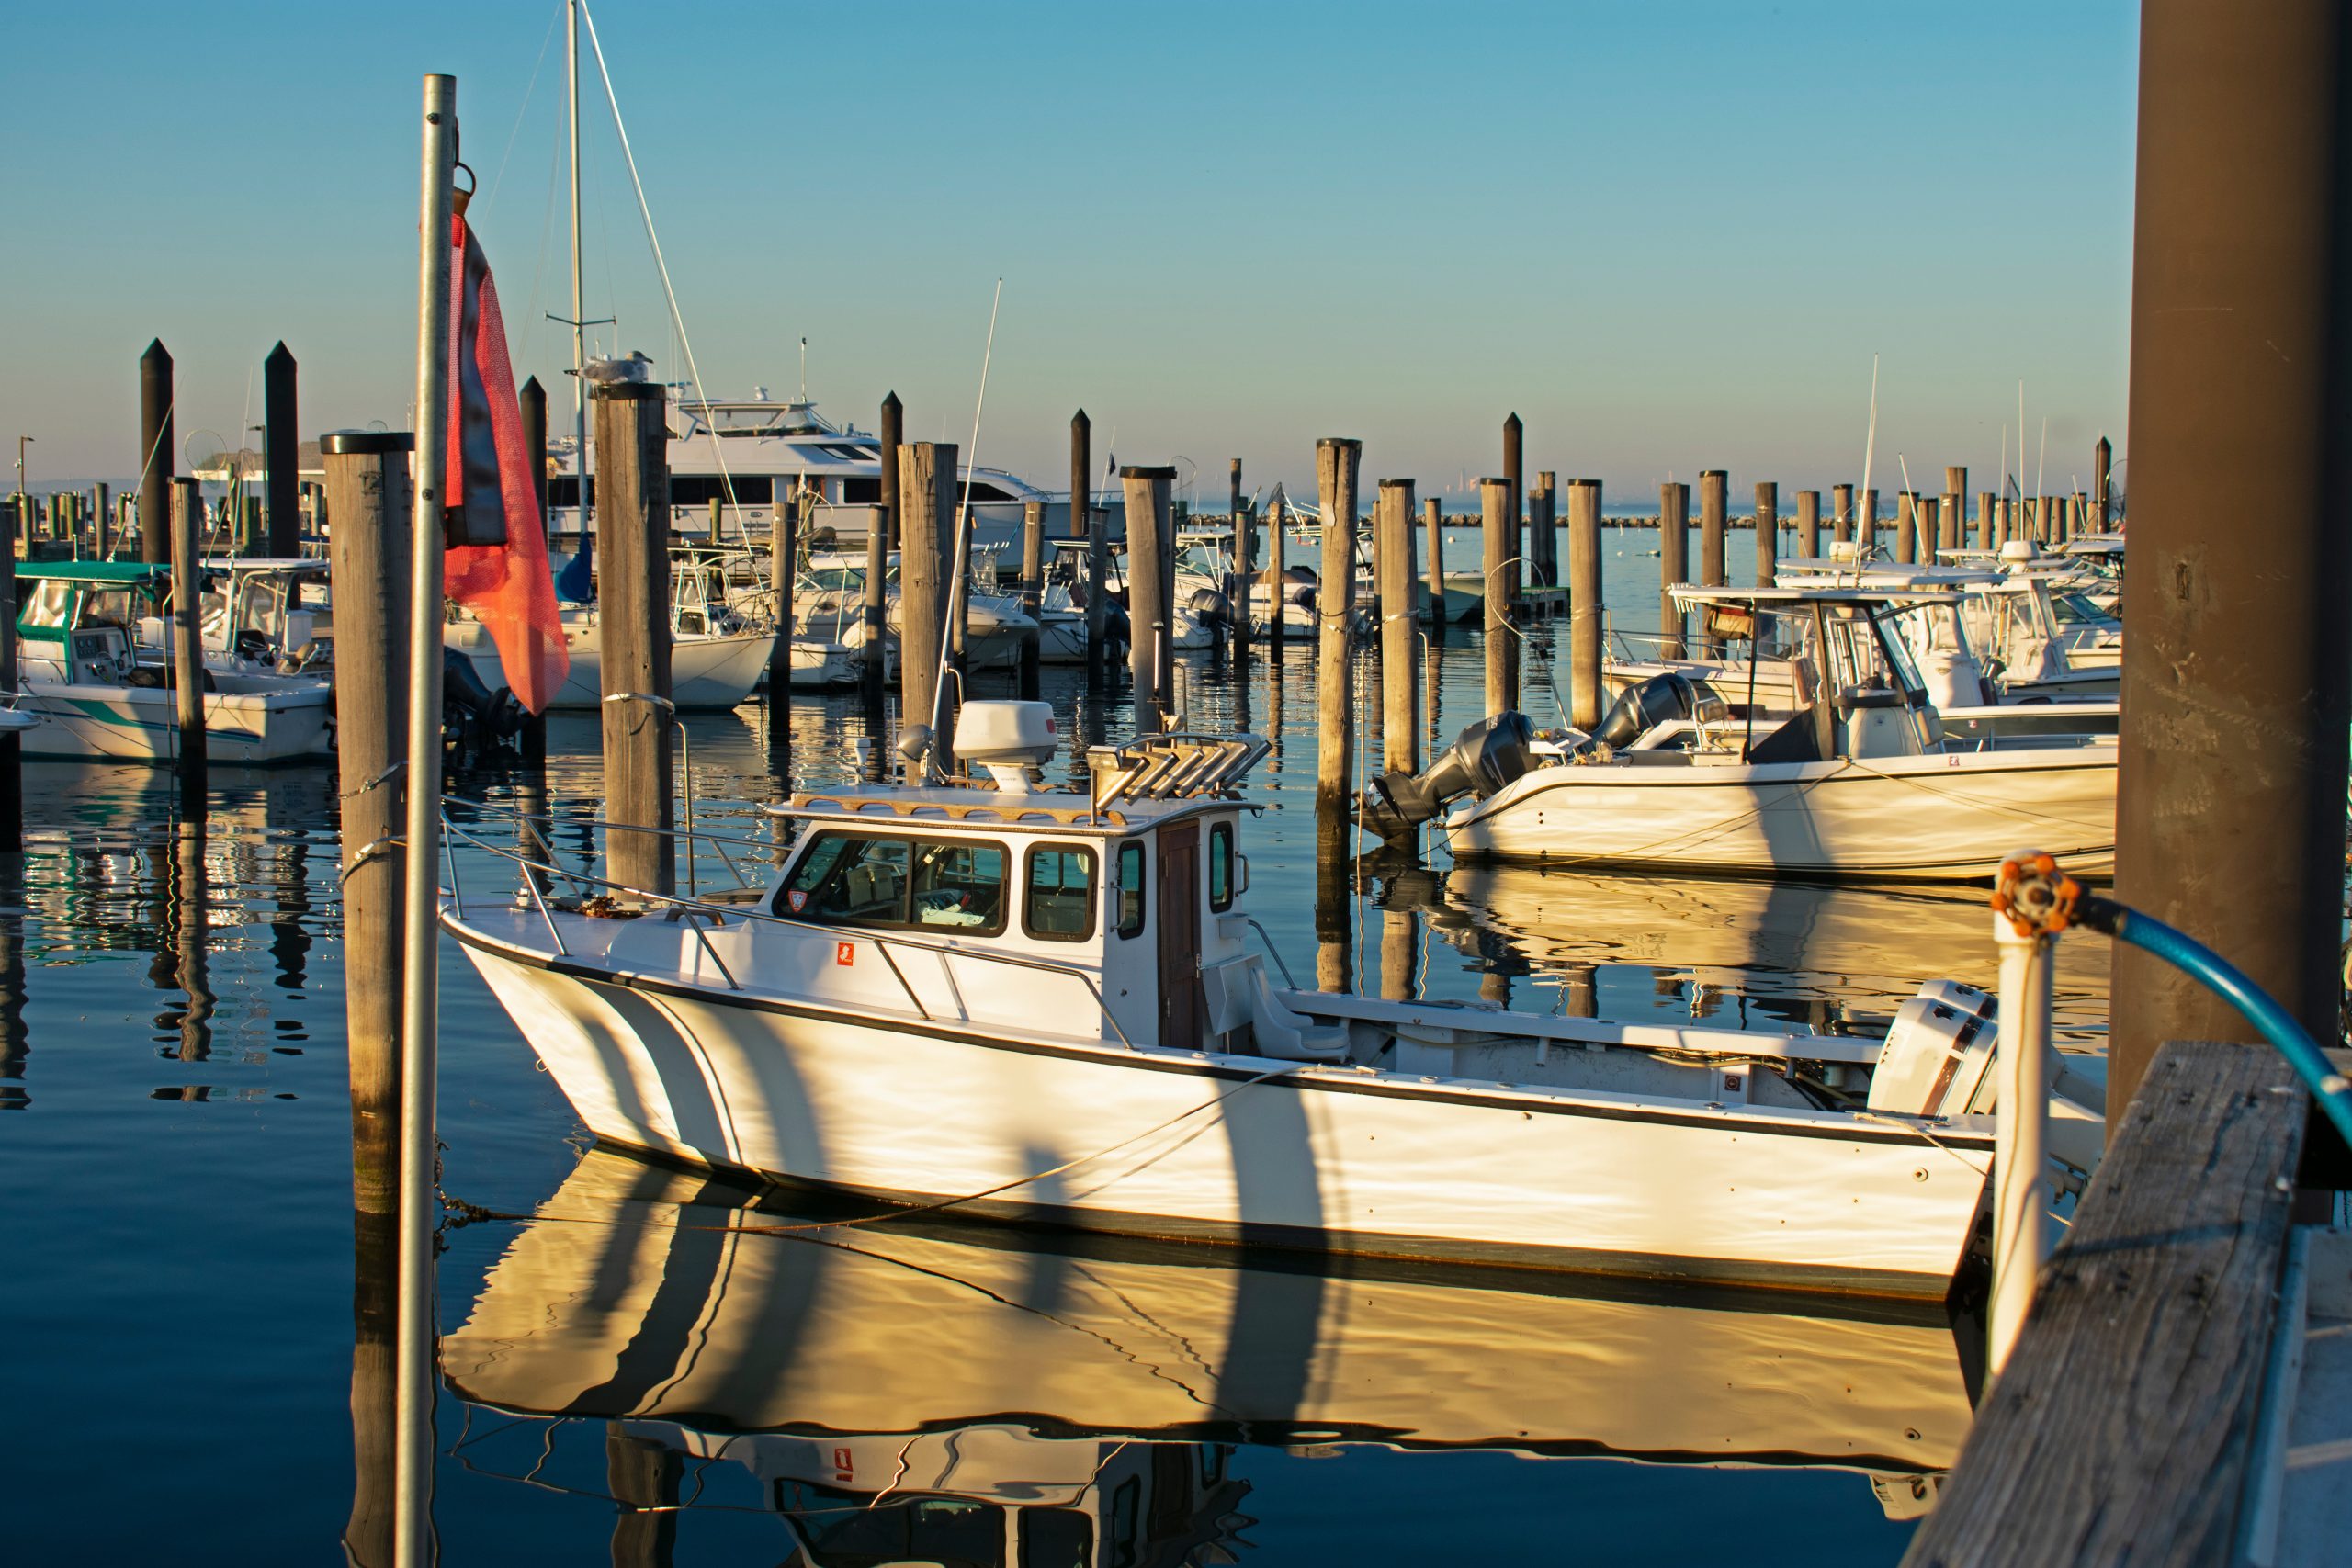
pixel 1023 1003
pixel 730 461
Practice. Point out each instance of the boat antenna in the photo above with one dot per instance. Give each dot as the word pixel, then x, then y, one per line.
pixel 1868 536
pixel 804 367
pixel 677 322
pixel 2041 460
pixel 963 557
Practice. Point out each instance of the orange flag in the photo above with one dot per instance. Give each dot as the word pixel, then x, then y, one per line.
pixel 496 563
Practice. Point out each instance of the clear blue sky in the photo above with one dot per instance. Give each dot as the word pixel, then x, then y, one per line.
pixel 1671 235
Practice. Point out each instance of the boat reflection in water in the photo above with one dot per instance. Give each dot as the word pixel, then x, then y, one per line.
pixel 1827 954
pixel 922 1390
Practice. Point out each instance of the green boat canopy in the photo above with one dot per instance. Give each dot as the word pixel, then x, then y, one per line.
pixel 116 572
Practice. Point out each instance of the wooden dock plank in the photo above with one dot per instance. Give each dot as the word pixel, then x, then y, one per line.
pixel 2123 1428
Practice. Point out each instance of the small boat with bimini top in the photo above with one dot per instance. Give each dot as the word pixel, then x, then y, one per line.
pixel 1044 1005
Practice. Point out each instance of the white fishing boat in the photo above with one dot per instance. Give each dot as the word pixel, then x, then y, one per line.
pixel 1044 1005
pixel 1859 779
pixel 830 594
pixel 1926 608
pixel 81 671
pixel 716 1322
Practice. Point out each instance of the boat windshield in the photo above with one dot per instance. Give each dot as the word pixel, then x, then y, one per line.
pixel 862 879
pixel 2074 609
pixel 1899 660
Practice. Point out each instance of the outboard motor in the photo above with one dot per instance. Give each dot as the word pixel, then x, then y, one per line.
pixel 492 715
pixel 1643 705
pixel 1482 760
pixel 1210 607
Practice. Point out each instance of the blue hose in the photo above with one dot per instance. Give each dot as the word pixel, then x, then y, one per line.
pixel 2274 1024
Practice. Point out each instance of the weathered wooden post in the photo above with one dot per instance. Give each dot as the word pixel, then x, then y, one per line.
pixel 1032 592
pixel 1987 532
pixel 2102 484
pixel 1866 528
pixel 1146 492
pixel 784 570
pixel 1336 461
pixel 1514 445
pixel 926 503
pixel 101 512
pixel 157 456
pixel 1245 557
pixel 12 791
pixel 1955 514
pixel 1842 500
pixel 1673 563
pixel 1084 525
pixel 1400 721
pixel 633 627
pixel 1906 527
pixel 1714 516
pixel 368 557
pixel 532 741
pixel 882 537
pixel 1767 532
pixel 187 649
pixel 1584 600
pixel 2237 676
pixel 1433 590
pixel 1494 508
pixel 1808 524
pixel 1543 526
pixel 2079 516
pixel 1277 578
pixel 281 451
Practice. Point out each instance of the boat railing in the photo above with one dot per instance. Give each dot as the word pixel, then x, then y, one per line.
pixel 537 876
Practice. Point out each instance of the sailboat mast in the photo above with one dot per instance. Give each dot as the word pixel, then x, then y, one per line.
pixel 578 311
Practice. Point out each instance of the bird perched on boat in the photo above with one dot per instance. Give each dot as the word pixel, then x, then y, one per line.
pixel 611 372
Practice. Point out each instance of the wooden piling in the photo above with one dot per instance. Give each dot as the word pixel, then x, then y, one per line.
pixel 784 570
pixel 1987 521
pixel 926 501
pixel 1673 564
pixel 1433 589
pixel 1584 600
pixel 532 739
pixel 1494 507
pixel 633 628
pixel 187 649
pixel 1714 503
pixel 281 451
pixel 12 793
pixel 1245 555
pixel 1842 520
pixel 1336 462
pixel 2102 484
pixel 1544 530
pixel 1955 518
pixel 1085 526
pixel 1767 532
pixel 158 457
pixel 1400 721
pixel 101 512
pixel 1032 592
pixel 1146 492
pixel 1808 524
pixel 1866 523
pixel 368 480
pixel 1277 581
pixel 1906 527
pixel 1514 448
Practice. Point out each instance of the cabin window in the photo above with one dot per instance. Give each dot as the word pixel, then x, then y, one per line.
pixel 983 490
pixel 701 489
pixel 1056 1537
pixel 107 607
pixel 1220 865
pixel 1130 888
pixel 851 879
pixel 563 489
pixel 861 492
pixel 1059 905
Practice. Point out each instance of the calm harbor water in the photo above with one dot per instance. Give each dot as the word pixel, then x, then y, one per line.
pixel 180 1306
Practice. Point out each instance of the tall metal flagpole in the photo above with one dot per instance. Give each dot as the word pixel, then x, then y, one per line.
pixel 420 1001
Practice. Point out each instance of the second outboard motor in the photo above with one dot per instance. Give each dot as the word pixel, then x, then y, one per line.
pixel 1482 760
pixel 469 702
pixel 1645 704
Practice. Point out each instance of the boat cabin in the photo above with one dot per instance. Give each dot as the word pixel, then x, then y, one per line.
pixel 77 621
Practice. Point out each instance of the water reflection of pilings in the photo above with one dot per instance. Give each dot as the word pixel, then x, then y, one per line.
pixel 642 1476
pixel 181 962
pixel 367 1535
pixel 1334 904
pixel 14 1047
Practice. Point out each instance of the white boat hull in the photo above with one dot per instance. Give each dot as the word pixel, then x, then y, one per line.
pixel 1951 816
pixel 140 724
pixel 705 671
pixel 655 1052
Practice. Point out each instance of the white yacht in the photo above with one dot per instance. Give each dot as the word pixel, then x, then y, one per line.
pixel 731 462
pixel 1040 1004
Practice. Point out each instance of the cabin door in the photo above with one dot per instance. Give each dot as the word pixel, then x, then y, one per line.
pixel 1179 936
